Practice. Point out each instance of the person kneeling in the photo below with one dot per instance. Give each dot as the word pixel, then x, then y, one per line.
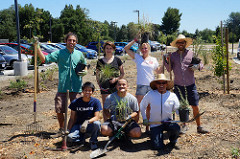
pixel 162 104
pixel 120 107
pixel 84 117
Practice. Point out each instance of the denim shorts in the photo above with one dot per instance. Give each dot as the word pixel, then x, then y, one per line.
pixel 60 100
pixel 192 94
pixel 142 89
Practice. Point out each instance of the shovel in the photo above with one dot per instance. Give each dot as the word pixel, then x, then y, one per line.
pixel 34 127
pixel 100 152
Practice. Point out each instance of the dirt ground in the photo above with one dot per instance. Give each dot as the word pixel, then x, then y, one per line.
pixel 221 118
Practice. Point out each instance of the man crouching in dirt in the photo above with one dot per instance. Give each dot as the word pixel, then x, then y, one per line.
pixel 67 60
pixel 120 107
pixel 162 105
pixel 85 117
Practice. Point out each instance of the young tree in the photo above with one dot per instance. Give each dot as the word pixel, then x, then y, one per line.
pixel 171 21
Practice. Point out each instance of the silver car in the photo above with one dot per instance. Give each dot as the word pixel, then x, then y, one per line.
pixel 11 55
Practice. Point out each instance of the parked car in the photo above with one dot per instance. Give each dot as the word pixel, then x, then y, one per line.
pixel 238 50
pixel 3 63
pixel 25 48
pixel 47 48
pixel 134 48
pixel 93 46
pixel 56 45
pixel 154 47
pixel 11 55
pixel 88 53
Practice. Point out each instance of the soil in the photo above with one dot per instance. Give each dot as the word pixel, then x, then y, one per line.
pixel 221 118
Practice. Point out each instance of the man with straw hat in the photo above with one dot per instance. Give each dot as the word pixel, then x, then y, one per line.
pixel 162 103
pixel 183 68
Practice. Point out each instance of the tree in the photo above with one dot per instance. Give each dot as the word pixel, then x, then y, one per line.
pixel 207 35
pixel 171 21
pixel 233 23
pixel 7 24
pixel 132 30
pixel 122 34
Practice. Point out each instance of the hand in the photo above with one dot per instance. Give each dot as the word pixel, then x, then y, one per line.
pixel 145 122
pixel 84 125
pixel 83 73
pixel 129 118
pixel 194 67
pixel 113 80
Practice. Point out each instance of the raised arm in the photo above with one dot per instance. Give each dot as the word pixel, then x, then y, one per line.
pixel 128 46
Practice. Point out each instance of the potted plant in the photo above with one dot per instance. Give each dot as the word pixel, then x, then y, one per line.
pixel 146 29
pixel 107 72
pixel 121 110
pixel 184 106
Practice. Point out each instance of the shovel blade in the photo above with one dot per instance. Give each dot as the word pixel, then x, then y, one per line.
pixel 97 153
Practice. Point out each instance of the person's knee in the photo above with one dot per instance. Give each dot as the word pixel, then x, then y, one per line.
pixel 97 125
pixel 136 132
pixel 106 131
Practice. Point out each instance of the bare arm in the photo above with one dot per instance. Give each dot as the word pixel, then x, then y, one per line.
pixel 127 49
pixel 72 120
pixel 106 114
pixel 40 54
pixel 95 118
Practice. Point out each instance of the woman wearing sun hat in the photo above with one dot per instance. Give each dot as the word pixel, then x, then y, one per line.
pixel 163 103
pixel 183 69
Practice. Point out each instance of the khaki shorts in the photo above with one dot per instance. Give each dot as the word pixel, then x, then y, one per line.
pixel 60 100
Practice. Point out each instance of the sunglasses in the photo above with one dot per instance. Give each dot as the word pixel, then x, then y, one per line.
pixel 183 42
pixel 161 82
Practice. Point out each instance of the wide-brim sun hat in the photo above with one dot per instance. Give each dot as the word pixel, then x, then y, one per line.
pixel 181 37
pixel 162 77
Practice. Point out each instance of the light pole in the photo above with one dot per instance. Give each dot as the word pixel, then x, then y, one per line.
pixel 114 24
pixel 138 14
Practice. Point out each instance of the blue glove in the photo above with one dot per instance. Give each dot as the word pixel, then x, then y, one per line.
pixel 128 118
pixel 145 122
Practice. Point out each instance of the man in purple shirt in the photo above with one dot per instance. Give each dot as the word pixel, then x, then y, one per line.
pixel 183 71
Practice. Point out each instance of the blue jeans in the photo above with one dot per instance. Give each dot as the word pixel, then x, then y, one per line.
pixel 93 129
pixel 172 129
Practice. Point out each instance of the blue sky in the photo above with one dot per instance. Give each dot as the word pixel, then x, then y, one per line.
pixel 196 14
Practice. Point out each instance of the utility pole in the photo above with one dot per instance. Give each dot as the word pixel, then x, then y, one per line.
pixel 138 14
pixel 115 36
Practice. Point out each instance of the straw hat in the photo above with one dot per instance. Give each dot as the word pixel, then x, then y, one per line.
pixel 162 77
pixel 181 37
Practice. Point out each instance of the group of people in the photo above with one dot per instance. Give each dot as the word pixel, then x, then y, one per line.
pixel 152 99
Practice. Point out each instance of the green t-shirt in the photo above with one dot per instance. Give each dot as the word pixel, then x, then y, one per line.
pixel 67 62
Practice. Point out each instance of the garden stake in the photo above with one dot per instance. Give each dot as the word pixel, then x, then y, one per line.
pixel 34 127
pixel 64 140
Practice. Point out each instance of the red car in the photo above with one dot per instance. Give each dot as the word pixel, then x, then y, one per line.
pixel 25 49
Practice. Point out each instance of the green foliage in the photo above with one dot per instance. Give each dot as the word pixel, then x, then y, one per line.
pixel 171 21
pixel 184 104
pixel 199 49
pixel 219 64
pixel 107 72
pixel 18 84
pixel 48 75
pixel 233 23
pixel 1 94
pixel 236 153
pixel 145 25
pixel 121 110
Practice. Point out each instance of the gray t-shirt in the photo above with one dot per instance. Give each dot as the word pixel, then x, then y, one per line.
pixel 121 107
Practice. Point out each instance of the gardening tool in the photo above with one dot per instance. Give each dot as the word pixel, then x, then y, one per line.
pixel 34 127
pixel 99 152
pixel 64 141
pixel 176 121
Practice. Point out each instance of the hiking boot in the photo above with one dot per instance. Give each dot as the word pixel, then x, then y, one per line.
pixel 201 130
pixel 93 146
pixel 173 145
pixel 58 134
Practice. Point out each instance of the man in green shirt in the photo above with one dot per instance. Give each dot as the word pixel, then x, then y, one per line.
pixel 67 60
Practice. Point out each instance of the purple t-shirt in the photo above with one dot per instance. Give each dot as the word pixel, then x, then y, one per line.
pixel 183 75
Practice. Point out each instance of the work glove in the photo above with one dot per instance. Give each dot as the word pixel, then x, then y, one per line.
pixel 166 58
pixel 194 67
pixel 83 127
pixel 145 122
pixel 82 73
pixel 128 118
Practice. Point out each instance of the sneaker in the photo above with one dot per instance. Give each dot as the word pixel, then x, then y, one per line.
pixel 93 146
pixel 183 129
pixel 201 130
pixel 58 134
